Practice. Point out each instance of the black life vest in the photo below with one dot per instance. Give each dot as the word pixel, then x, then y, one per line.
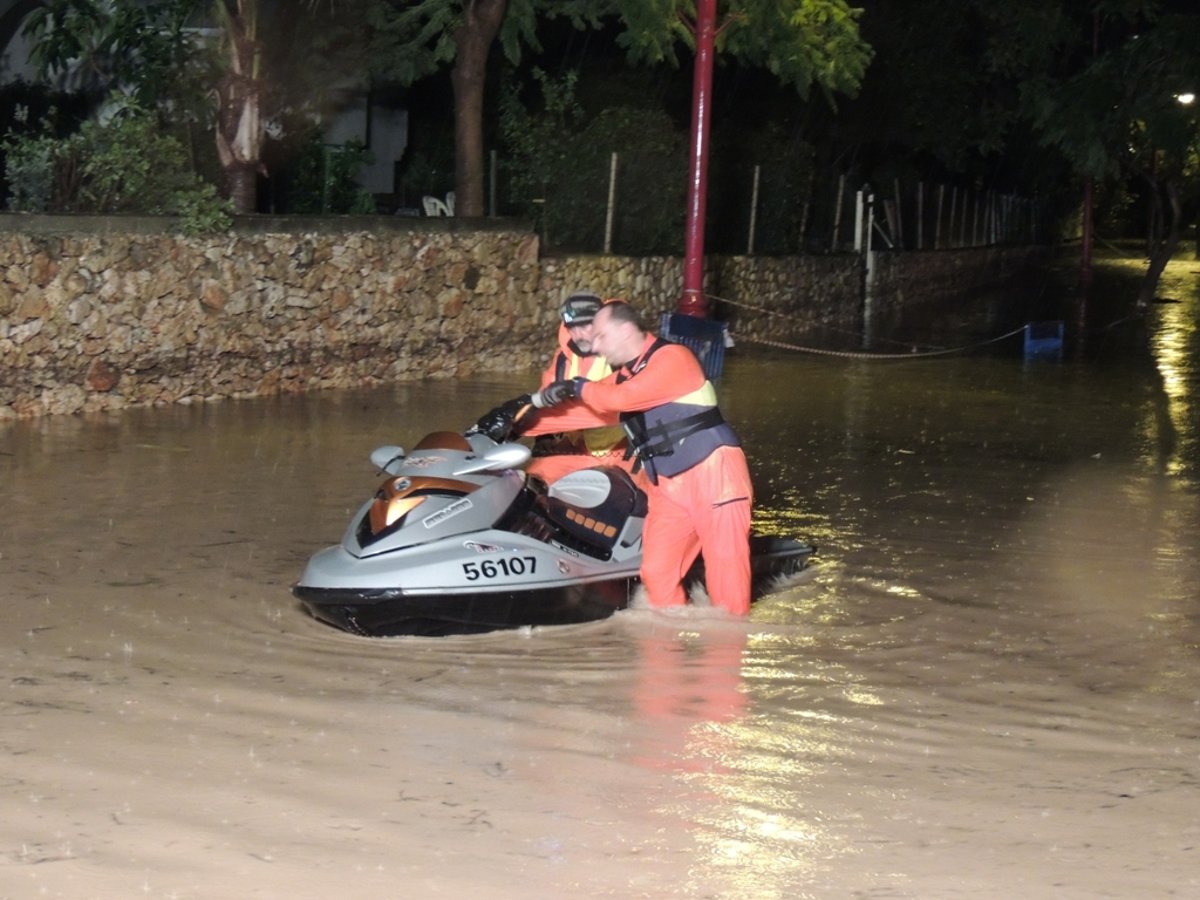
pixel 672 438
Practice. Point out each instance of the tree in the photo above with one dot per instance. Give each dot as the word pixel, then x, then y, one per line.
pixel 409 40
pixel 132 49
pixel 154 54
pixel 1127 121
pixel 560 153
pixel 803 42
pixel 124 164
pixel 1100 83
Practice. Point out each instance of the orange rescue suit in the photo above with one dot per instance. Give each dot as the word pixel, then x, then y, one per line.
pixel 585 437
pixel 705 508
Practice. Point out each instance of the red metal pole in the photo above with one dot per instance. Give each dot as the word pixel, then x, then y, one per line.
pixel 692 301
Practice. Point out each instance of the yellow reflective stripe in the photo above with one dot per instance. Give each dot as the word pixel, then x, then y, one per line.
pixel 704 396
pixel 600 368
pixel 600 441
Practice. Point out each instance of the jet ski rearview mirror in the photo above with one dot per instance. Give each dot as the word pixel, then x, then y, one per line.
pixel 384 457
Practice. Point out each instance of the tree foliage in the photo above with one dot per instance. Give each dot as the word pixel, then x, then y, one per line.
pixel 162 55
pixel 803 42
pixel 1100 83
pixel 322 177
pixel 143 50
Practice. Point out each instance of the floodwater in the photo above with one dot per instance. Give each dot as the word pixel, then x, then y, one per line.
pixel 987 686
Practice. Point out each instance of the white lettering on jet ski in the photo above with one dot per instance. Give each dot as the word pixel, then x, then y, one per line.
pixel 447 512
pixel 510 565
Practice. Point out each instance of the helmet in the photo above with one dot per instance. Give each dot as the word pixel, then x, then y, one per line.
pixel 580 308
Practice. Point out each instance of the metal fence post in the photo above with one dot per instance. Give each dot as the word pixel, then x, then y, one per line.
pixel 753 212
pixel 612 198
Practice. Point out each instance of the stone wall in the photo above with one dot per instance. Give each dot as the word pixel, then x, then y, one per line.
pixel 758 296
pixel 903 278
pixel 100 321
pixel 100 314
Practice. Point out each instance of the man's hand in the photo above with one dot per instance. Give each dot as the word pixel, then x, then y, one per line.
pixel 498 423
pixel 557 392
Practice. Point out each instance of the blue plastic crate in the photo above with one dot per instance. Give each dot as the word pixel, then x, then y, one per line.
pixel 706 338
pixel 1044 340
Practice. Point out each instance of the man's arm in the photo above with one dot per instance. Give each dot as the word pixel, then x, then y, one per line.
pixel 570 416
pixel 671 373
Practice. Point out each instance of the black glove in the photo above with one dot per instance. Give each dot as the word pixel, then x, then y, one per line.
pixel 557 392
pixel 498 423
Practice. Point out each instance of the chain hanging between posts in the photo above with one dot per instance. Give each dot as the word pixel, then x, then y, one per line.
pixel 850 354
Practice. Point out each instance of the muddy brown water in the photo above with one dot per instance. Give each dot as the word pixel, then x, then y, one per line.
pixel 988 685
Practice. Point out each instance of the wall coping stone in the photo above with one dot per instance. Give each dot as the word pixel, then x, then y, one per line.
pixel 52 223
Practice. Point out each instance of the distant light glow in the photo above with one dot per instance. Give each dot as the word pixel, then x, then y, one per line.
pixel 1186 99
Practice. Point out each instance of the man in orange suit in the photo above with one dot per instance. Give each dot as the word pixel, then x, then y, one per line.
pixel 572 436
pixel 699 484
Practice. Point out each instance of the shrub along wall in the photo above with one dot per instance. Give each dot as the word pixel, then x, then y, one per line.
pixel 104 313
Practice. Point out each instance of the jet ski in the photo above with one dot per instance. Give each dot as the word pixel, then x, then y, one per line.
pixel 458 539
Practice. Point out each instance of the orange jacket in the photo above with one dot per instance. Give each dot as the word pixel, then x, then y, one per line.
pixel 672 373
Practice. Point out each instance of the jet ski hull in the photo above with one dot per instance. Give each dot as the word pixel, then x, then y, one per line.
pixel 393 611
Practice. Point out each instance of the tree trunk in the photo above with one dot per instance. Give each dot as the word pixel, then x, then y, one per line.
pixel 473 41
pixel 1164 245
pixel 239 131
pixel 1085 266
pixel 241 186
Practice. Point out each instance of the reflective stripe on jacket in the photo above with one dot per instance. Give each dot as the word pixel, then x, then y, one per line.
pixel 579 429
pixel 671 437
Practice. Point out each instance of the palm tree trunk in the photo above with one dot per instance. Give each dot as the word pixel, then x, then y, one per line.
pixel 239 131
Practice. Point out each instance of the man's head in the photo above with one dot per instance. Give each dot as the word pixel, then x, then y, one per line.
pixel 617 333
pixel 578 313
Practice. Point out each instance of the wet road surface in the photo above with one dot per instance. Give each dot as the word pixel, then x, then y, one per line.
pixel 987 686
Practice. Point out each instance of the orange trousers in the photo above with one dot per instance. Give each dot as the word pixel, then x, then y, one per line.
pixel 703 510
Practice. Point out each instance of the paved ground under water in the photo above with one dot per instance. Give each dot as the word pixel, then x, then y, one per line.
pixel 986 687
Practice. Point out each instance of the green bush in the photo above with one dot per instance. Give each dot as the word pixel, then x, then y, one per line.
pixel 323 177
pixel 29 165
pixel 561 157
pixel 124 165
pixel 786 177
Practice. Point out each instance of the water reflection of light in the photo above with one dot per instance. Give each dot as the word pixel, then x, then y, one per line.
pixel 754 851
pixel 865 698
pixel 1174 334
pixel 754 833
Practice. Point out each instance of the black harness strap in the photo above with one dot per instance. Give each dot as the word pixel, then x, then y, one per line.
pixel 660 440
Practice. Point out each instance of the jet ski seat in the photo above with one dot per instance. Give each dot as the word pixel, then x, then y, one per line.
pixel 444 440
pixel 593 505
